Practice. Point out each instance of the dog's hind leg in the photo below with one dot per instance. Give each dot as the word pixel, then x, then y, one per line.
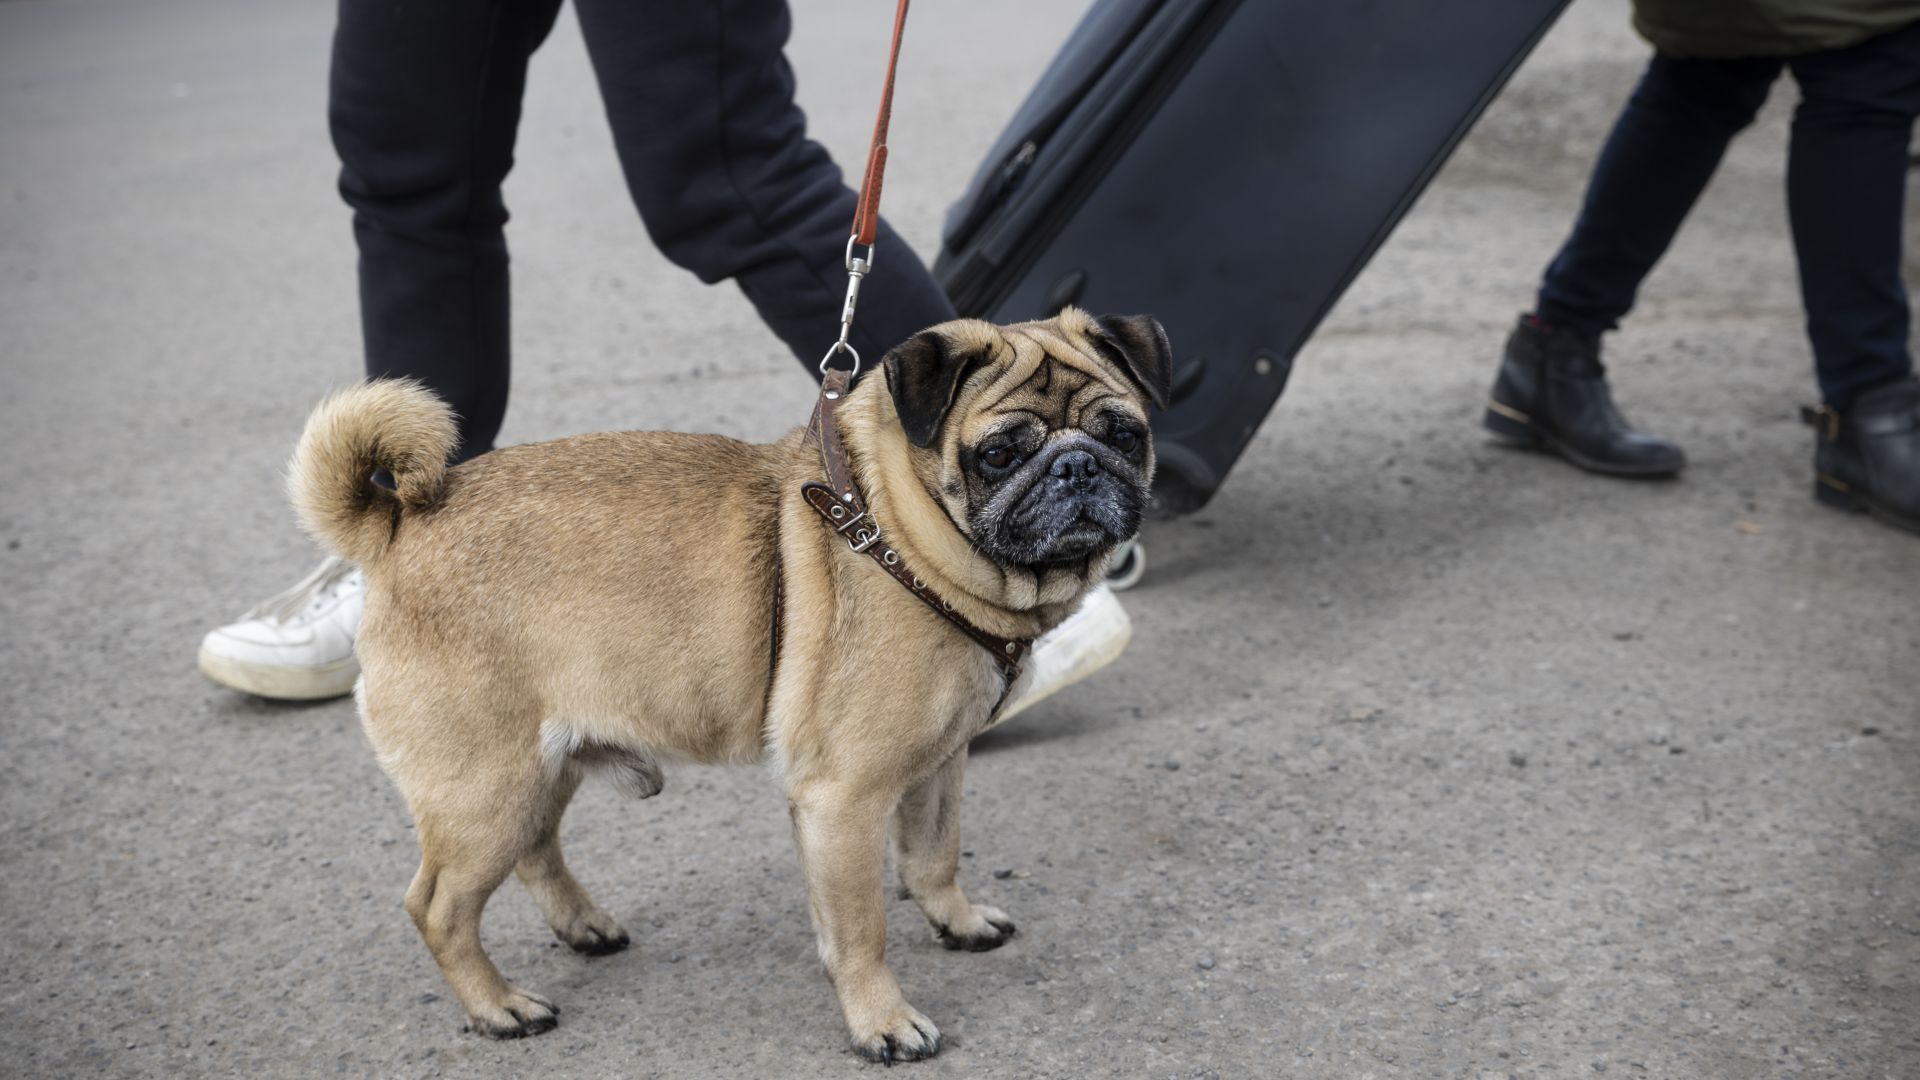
pixel 471 837
pixel 926 837
pixel 575 918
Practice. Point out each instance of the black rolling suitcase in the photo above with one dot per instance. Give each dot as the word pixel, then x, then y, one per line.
pixel 1227 166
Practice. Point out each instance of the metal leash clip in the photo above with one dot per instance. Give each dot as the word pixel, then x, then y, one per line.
pixel 857 270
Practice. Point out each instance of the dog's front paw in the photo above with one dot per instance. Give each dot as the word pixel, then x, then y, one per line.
pixel 904 1036
pixel 515 1016
pixel 982 929
pixel 593 933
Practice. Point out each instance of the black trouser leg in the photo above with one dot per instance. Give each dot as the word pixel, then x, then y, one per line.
pixel 1846 190
pixel 1663 150
pixel 716 154
pixel 425 98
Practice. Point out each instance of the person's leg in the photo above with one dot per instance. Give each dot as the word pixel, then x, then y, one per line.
pixel 1552 391
pixel 1662 151
pixel 715 151
pixel 425 97
pixel 1846 193
pixel 425 100
pixel 1846 187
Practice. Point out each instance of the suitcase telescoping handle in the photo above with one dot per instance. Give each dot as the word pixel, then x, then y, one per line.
pixel 866 213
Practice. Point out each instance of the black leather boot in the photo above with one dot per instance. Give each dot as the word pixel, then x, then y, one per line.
pixel 1868 458
pixel 1552 394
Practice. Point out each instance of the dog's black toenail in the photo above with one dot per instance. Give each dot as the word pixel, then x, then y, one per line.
pixel 600 944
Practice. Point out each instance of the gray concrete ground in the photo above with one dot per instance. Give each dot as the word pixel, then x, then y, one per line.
pixel 1429 759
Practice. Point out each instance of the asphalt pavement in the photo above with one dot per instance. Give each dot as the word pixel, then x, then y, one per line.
pixel 1429 758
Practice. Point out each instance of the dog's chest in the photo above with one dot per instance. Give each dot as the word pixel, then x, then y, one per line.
pixel 988 687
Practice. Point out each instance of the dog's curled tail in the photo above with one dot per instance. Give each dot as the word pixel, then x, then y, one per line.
pixel 395 425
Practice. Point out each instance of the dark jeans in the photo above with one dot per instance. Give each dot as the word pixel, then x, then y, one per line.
pixel 1846 184
pixel 425 102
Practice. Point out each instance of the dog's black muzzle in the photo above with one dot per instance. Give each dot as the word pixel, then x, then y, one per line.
pixel 1077 498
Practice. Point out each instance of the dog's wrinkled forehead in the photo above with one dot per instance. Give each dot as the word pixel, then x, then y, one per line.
pixel 1054 372
pixel 1054 377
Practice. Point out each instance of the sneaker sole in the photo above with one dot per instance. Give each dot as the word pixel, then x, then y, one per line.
pixel 281 683
pixel 1521 434
pixel 1089 655
pixel 1837 494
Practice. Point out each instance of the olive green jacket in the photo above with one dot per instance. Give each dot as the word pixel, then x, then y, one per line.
pixel 1726 29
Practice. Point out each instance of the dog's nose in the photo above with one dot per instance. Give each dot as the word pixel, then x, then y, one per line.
pixel 1076 467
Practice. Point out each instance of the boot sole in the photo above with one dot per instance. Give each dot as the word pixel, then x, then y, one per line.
pixel 1511 426
pixel 281 683
pixel 1837 494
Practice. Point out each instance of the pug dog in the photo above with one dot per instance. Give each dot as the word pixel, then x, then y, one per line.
pixel 610 603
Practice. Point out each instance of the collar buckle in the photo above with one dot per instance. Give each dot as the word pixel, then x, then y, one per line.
pixel 847 517
pixel 862 539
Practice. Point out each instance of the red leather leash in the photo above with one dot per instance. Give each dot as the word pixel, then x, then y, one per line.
pixel 866 212
pixel 866 216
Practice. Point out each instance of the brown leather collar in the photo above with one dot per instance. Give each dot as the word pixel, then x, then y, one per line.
pixel 839 501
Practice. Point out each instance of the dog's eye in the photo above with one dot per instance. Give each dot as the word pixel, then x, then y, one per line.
pixel 1124 440
pixel 997 457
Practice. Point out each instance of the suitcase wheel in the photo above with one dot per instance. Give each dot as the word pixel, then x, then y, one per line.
pixel 1128 567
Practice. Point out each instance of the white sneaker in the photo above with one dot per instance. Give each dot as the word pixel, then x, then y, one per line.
pixel 1089 640
pixel 298 646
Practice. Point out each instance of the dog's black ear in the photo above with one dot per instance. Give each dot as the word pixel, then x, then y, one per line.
pixel 1139 344
pixel 924 373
